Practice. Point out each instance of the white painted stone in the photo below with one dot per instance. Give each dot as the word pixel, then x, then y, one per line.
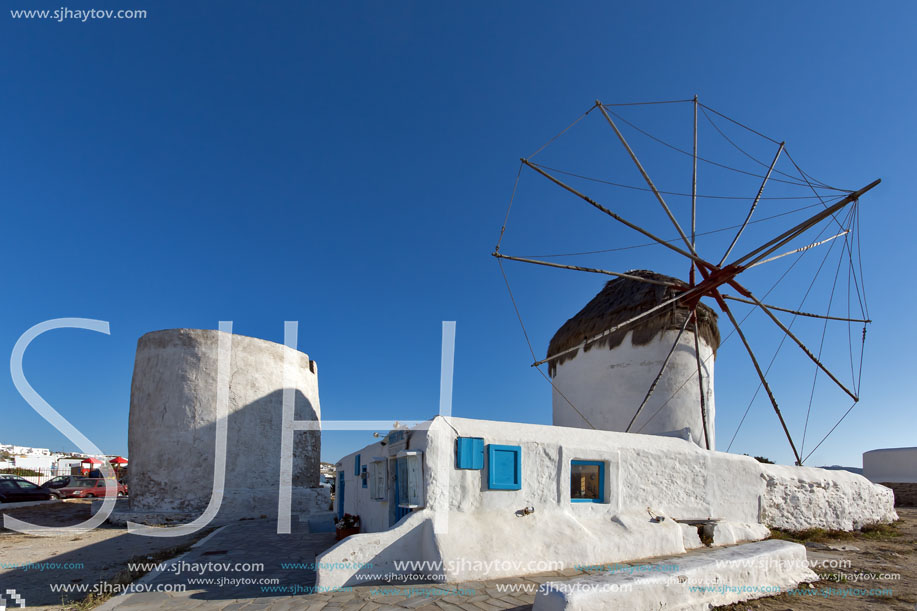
pixel 892 465
pixel 730 533
pixel 701 581
pixel 645 476
pixel 608 385
pixel 797 498
pixel 172 425
pixel 689 537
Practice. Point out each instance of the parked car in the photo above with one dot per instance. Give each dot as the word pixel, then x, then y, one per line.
pixel 89 487
pixel 14 489
pixel 61 481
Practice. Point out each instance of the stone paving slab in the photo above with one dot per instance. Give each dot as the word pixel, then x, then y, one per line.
pixel 255 552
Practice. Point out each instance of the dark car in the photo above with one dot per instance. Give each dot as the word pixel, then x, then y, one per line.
pixel 60 481
pixel 16 489
pixel 89 487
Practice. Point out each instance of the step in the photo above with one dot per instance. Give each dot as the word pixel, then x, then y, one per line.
pixel 691 582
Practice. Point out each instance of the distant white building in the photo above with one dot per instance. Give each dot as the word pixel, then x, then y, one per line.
pixel 891 465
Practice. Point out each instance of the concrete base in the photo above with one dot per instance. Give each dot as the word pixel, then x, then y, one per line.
pixel 306 502
pixel 700 580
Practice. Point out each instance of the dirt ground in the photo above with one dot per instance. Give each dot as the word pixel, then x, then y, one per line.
pixel 30 564
pixel 861 571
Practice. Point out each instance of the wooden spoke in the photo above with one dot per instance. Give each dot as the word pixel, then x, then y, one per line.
pixel 584 269
pixel 646 177
pixel 796 312
pixel 754 362
pixel 602 208
pixel 789 333
pixel 754 205
pixel 665 363
pixel 700 380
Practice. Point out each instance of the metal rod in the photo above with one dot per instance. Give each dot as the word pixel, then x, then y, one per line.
pixel 694 196
pixel 788 235
pixel 585 269
pixel 602 208
pixel 646 177
pixel 665 363
pixel 611 330
pixel 798 250
pixel 700 381
pixel 797 312
pixel 799 343
pixel 767 387
pixel 754 205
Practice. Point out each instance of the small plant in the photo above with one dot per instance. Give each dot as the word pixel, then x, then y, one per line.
pixel 348 521
pixel 20 471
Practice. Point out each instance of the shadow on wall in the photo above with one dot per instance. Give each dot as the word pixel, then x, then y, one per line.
pixel 173 470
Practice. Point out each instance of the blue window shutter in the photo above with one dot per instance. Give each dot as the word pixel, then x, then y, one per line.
pixel 356 465
pixel 469 453
pixel 504 467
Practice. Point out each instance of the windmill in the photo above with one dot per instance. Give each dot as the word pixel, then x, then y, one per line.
pixel 713 272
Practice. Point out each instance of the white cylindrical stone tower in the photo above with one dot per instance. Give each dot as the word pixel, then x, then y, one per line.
pixel 173 414
pixel 607 381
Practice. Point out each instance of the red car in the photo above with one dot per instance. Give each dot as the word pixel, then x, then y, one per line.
pixel 89 487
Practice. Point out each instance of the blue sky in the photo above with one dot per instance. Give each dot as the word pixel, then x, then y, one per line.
pixel 348 165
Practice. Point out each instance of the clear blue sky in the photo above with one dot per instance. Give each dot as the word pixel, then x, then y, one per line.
pixel 348 165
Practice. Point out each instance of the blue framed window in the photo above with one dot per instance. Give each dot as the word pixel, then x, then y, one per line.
pixel 504 467
pixel 469 453
pixel 587 481
pixel 364 476
pixel 356 465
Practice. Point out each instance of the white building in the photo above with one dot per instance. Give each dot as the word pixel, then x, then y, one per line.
pixel 459 490
pixel 602 385
pixel 891 465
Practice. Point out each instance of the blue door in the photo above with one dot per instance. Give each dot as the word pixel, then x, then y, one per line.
pixel 340 494
pixel 400 474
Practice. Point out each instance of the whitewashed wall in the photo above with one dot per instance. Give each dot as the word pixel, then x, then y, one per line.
pixel 645 475
pixel 172 431
pixel 608 385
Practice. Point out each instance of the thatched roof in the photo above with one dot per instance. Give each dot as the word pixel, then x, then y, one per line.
pixel 621 300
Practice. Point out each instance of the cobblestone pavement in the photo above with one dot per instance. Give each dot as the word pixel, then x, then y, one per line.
pixel 245 543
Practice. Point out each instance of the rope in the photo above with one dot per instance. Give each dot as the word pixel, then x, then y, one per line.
pixel 740 149
pixel 821 347
pixel 508 208
pixel 675 193
pixel 711 162
pixel 792 322
pixel 532 350
pixel 665 363
pixel 563 131
pixel 648 103
pixel 670 240
pixel 742 125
